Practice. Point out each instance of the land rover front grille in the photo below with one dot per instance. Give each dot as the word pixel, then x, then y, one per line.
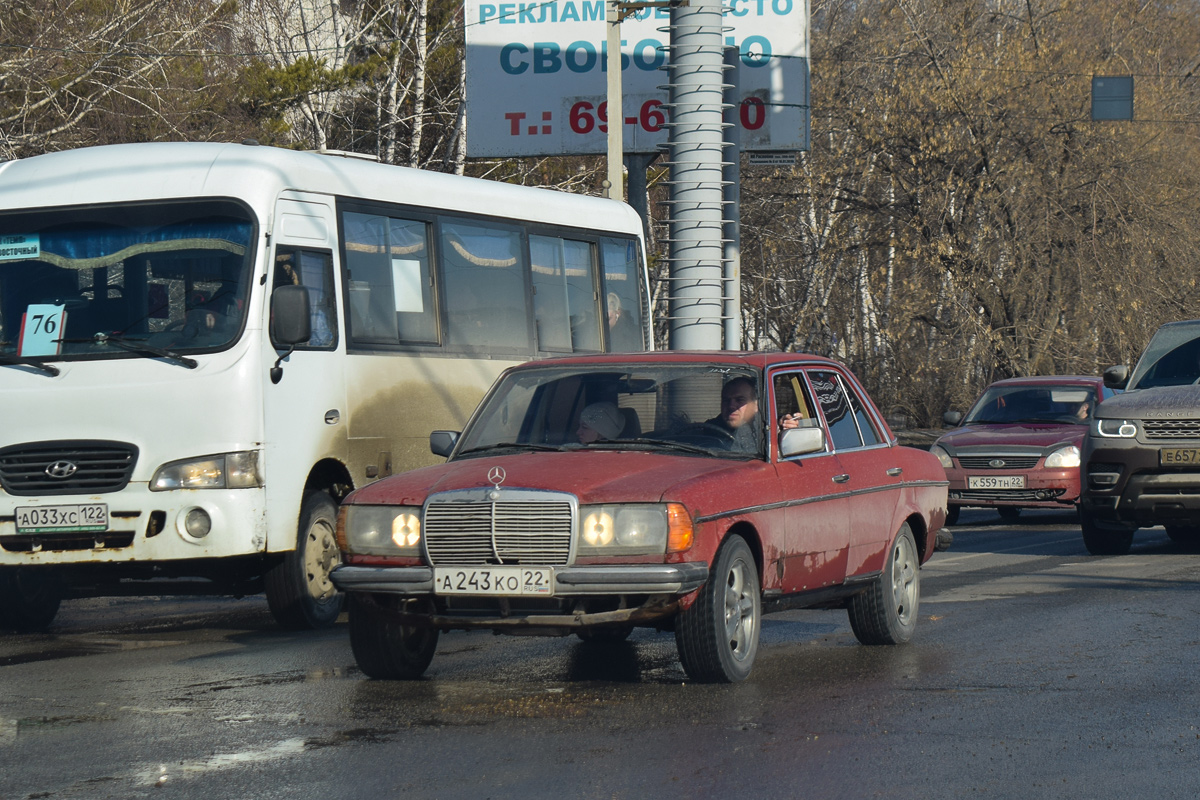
pixel 1171 428
pixel 73 467
pixel 467 532
pixel 1006 462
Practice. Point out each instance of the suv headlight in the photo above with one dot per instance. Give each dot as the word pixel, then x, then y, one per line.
pixel 634 529
pixel 379 530
pixel 1116 428
pixel 942 456
pixel 222 471
pixel 1063 457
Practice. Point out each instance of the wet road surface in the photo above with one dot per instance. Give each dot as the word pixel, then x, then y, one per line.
pixel 1037 671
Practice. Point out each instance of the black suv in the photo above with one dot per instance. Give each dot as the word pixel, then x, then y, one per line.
pixel 1141 457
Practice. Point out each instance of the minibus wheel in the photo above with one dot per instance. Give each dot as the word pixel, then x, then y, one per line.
pixel 299 590
pixel 29 598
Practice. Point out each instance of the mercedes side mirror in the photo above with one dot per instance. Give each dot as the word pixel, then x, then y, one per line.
pixel 801 441
pixel 441 443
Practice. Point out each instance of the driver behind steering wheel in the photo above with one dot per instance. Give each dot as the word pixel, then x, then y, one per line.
pixel 739 415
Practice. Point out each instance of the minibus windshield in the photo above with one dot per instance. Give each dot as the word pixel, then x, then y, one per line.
pixel 128 281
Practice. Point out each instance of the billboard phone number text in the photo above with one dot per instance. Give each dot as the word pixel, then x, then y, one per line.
pixel 585 117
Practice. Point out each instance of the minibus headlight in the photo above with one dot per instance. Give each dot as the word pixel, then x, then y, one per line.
pixel 379 530
pixel 628 530
pixel 224 471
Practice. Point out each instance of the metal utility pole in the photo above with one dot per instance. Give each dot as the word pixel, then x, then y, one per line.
pixel 732 195
pixel 695 144
pixel 616 114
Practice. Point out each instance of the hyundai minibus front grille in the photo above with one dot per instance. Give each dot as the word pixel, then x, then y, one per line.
pixel 71 467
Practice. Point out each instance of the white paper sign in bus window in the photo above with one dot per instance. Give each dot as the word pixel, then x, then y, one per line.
pixel 406 283
pixel 19 246
pixel 41 330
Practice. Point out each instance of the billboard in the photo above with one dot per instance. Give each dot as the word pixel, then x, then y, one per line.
pixel 537 71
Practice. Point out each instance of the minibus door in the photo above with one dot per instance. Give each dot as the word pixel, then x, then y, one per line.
pixel 305 395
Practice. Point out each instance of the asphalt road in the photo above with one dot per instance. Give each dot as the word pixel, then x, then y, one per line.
pixel 1037 671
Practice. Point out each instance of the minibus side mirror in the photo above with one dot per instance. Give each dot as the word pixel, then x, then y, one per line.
pixel 291 323
pixel 291 317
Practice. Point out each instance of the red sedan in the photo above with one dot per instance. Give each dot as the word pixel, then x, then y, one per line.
pixel 1019 445
pixel 687 492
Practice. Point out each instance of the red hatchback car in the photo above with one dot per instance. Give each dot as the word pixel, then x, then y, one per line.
pixel 1018 447
pixel 689 492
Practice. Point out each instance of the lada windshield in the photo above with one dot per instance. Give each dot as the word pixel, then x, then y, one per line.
pixel 1171 359
pixel 1033 405
pixel 123 281
pixel 671 408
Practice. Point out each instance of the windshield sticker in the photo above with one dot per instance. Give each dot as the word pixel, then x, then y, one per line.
pixel 19 246
pixel 41 330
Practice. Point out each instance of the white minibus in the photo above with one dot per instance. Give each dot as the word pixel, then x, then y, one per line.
pixel 204 347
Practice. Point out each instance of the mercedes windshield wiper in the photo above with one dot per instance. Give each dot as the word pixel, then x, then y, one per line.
pixel 665 443
pixel 509 446
pixel 139 346
pixel 27 361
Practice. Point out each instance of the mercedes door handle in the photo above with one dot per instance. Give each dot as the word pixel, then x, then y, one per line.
pixel 895 472
pixel 841 478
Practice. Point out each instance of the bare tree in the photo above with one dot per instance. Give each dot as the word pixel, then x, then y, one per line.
pixel 69 69
pixel 975 221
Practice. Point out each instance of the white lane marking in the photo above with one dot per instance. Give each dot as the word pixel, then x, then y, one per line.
pixel 188 769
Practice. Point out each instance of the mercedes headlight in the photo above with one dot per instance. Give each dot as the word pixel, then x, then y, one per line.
pixel 634 529
pixel 1063 457
pixel 379 530
pixel 1116 428
pixel 223 471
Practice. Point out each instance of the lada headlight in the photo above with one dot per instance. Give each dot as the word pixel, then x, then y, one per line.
pixel 379 530
pixel 1116 428
pixel 1063 457
pixel 634 529
pixel 942 456
pixel 222 471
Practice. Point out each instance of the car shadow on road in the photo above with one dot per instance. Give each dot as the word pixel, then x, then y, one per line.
pixel 1052 533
